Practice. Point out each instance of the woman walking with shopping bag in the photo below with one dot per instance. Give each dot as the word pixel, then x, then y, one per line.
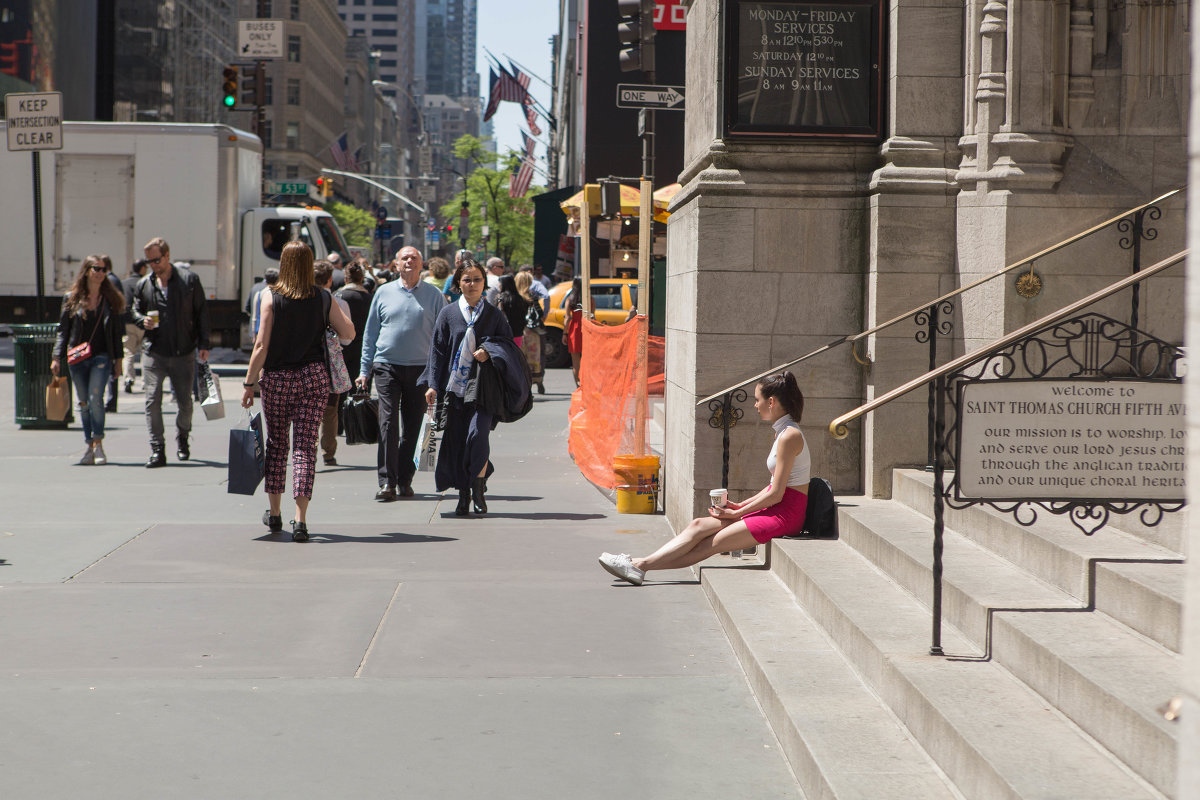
pixel 90 330
pixel 290 356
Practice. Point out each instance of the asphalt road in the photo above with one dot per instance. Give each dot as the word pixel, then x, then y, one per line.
pixel 155 642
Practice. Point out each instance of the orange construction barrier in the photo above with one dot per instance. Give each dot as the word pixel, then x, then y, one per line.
pixel 603 408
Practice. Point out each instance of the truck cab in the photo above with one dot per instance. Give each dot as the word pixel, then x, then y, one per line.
pixel 266 230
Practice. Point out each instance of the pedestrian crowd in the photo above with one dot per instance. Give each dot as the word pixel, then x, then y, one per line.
pixel 425 339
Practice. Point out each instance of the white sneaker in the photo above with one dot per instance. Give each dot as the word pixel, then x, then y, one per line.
pixel 622 567
pixel 98 454
pixel 88 458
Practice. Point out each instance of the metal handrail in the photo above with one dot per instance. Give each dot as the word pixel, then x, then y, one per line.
pixel 838 429
pixel 853 338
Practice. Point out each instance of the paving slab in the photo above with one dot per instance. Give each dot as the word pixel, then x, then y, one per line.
pixel 542 739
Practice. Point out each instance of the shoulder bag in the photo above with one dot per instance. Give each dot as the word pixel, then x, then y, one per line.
pixel 82 352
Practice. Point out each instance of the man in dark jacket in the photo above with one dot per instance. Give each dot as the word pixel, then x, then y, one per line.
pixel 169 305
pixel 133 333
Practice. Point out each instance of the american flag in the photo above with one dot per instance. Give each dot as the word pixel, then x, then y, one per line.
pixel 493 95
pixel 512 89
pixel 519 183
pixel 341 156
pixel 530 111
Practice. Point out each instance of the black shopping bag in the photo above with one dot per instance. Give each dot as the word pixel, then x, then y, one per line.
pixel 247 458
pixel 360 418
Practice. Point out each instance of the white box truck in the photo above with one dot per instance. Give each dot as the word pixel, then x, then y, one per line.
pixel 116 185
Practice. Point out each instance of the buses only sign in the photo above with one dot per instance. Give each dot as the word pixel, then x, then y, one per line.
pixel 34 120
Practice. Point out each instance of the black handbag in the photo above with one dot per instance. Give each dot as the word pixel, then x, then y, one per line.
pixel 247 458
pixel 360 418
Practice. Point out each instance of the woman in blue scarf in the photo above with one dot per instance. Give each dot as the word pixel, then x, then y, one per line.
pixel 458 336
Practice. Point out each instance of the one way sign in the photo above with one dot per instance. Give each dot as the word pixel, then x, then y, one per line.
pixel 637 95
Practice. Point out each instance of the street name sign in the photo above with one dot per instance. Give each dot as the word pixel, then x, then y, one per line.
pixel 260 38
pixel 34 120
pixel 661 98
pixel 293 187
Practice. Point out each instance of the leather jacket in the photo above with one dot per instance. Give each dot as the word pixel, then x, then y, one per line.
pixel 186 311
pixel 72 330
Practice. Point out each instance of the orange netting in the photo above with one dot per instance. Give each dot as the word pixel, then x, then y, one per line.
pixel 603 408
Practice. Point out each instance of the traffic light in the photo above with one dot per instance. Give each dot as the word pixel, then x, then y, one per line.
pixel 229 86
pixel 325 186
pixel 636 32
pixel 254 86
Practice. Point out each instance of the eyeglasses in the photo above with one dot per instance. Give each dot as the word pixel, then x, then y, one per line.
pixel 154 260
pixel 99 268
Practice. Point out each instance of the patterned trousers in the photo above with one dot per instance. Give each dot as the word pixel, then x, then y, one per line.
pixel 293 398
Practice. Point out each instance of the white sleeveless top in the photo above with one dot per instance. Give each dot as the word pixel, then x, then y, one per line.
pixel 803 463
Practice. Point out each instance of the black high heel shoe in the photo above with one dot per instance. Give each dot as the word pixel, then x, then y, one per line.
pixel 477 490
pixel 299 532
pixel 464 503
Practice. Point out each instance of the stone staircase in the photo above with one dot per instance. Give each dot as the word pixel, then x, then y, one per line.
pixel 1060 651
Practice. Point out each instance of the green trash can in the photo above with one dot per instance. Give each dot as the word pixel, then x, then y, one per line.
pixel 33 349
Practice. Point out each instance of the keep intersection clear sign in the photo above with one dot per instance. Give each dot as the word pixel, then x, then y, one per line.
pixel 34 120
pixel 1065 439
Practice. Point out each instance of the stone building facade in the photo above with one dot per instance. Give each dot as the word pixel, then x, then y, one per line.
pixel 1007 127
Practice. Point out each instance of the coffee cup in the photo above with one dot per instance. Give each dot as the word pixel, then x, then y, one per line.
pixel 718 497
pixel 153 317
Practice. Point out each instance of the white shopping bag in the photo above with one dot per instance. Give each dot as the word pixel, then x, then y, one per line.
pixel 425 457
pixel 210 386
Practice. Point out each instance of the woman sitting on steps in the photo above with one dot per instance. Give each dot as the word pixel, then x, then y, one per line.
pixel 775 511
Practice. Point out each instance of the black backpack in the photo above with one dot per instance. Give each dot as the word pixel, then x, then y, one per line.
pixel 820 519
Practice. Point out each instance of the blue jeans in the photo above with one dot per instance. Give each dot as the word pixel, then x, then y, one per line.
pixel 89 379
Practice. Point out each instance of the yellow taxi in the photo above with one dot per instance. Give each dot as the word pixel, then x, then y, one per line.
pixel 612 298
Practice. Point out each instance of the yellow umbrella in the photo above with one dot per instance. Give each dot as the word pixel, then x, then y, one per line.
pixel 662 199
pixel 630 202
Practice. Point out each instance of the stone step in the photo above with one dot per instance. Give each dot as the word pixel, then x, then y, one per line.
pixel 1104 677
pixel 991 734
pixel 1139 583
pixel 840 739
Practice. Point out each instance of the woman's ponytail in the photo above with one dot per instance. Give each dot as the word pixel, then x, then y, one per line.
pixel 783 387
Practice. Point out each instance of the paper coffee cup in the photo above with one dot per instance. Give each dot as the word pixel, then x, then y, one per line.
pixel 718 497
pixel 153 315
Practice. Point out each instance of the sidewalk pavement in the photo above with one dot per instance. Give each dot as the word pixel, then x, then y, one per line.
pixel 155 642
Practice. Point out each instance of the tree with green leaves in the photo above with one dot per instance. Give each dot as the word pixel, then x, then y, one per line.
pixel 509 219
pixel 357 226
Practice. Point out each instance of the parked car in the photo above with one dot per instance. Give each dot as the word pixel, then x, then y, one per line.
pixel 612 298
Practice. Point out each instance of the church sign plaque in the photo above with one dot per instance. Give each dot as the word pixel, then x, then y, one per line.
pixel 804 69
pixel 1048 440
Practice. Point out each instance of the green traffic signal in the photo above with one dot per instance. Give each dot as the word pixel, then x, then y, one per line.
pixel 229 86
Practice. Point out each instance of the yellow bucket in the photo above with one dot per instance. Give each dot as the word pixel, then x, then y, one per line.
pixel 637 484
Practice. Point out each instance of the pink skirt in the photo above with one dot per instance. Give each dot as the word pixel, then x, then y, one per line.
pixel 782 519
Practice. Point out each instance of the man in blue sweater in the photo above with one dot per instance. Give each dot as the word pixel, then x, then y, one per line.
pixel 395 347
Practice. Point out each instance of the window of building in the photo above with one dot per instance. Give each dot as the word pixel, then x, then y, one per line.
pixel 389 33
pixel 293 171
pixel 269 172
pixel 360 32
pixel 384 18
pixel 385 48
pixel 295 10
pixel 294 49
pixel 387 62
pixel 264 9
pixel 360 17
pixel 293 136
pixel 293 91
pixel 268 90
pixel 266 135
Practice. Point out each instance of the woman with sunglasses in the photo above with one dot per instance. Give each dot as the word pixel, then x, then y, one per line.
pixel 458 336
pixel 92 315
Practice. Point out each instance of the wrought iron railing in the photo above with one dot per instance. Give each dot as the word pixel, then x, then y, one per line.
pixel 934 319
pixel 1091 346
